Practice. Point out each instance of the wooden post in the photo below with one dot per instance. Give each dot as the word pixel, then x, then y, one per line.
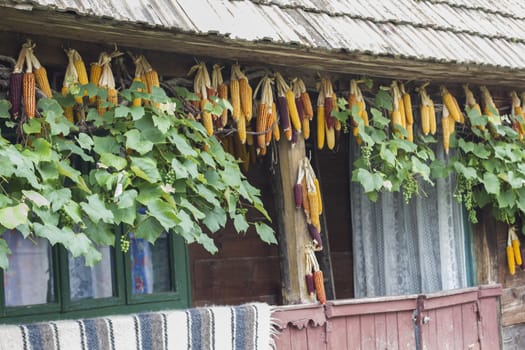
pixel 291 223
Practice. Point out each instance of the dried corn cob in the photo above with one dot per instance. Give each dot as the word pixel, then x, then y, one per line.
pixel 283 90
pixel 407 103
pixel 450 102
pixel 445 125
pixel 276 132
pixel 68 111
pixel 15 84
pixel 222 92
pixel 320 127
pixel 305 100
pixel 29 88
pixel 40 76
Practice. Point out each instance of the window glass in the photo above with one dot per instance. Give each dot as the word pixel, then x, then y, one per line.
pixel 91 282
pixel 150 265
pixel 29 278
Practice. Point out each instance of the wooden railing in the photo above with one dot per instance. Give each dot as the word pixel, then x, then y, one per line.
pixel 458 319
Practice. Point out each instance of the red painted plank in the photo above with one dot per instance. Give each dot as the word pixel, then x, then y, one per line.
pixel 429 331
pixel 367 332
pixel 392 336
pixel 336 334
pixel 380 328
pixel 405 330
pixel 353 332
pixel 449 300
pixel 299 340
pixel 445 328
pixel 458 326
pixel 470 326
pixel 365 307
pixel 316 338
pixel 490 328
pixel 283 340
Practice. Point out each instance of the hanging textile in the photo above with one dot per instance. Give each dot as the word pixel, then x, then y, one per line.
pixel 409 248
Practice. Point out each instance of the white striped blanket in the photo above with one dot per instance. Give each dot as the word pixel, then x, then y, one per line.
pixel 243 327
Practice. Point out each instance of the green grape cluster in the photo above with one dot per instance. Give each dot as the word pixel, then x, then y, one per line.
pixel 65 219
pixel 169 177
pixel 366 152
pixel 124 244
pixel 410 187
pixel 464 195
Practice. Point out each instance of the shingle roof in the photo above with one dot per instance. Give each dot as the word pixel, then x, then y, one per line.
pixel 475 32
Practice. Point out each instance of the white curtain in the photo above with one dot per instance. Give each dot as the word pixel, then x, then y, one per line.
pixel 408 248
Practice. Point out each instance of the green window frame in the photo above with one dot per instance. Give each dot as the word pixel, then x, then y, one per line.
pixel 123 300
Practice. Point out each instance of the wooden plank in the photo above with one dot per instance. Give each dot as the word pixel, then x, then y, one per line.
pixel 485 248
pixel 429 339
pixel 293 233
pixel 490 337
pixel 392 335
pixel 68 25
pixel 470 326
pixel 458 326
pixel 299 339
pixel 283 340
pixel 449 300
pixel 445 328
pixel 368 333
pixel 337 334
pixel 380 331
pixel 405 330
pixel 513 337
pixel 365 307
pixel 353 332
pixel 316 338
pixel 513 306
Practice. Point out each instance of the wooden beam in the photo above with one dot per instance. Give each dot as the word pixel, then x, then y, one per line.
pixel 70 26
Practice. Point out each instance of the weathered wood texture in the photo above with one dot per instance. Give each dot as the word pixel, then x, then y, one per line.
pixel 513 337
pixel 67 25
pixel 462 319
pixel 245 268
pixel 334 178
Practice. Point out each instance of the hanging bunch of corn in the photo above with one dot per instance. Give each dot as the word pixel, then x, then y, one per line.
pixel 245 92
pixel 15 84
pixel 39 71
pixel 517 115
pixel 397 115
pixel 452 105
pixel 266 115
pixel 287 109
pixel 29 87
pixel 107 82
pixel 490 110
pixel 313 272
pixel 470 100
pixel 139 78
pixel 95 73
pixel 427 112
pixel 329 104
pixel 201 87
pixel 70 78
pixel 304 106
pixel 307 194
pixel 513 250
pixel 218 84
pixel 355 98
pixel 447 125
pixel 407 107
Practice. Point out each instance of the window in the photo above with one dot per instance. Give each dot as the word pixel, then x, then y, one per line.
pixel 402 248
pixel 45 282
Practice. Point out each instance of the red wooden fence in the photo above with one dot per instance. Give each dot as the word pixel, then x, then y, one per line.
pixel 459 319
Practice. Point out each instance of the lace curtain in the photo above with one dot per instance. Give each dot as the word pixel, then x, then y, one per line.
pixel 408 248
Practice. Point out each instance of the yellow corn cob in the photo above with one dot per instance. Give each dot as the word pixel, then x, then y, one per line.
pixel 425 118
pixel 320 127
pixel 137 101
pixel 445 121
pixel 29 94
pixel 207 120
pixel 452 105
pixel 272 118
pixel 319 286
pixel 94 77
pixel 364 116
pixel 330 137
pixel 113 96
pixel 407 103
pixel 313 201
pixel 396 118
pixel 241 129
pixel 101 110
pixel 235 99
pixel 68 111
pixel 223 93
pixel 81 71
pixel 410 132
pixel 517 252
pixel 276 132
pixel 319 198
pixel 262 115
pixel 432 117
pixel 306 128
pixel 511 260
pixel 245 94
pixel 292 108
pixel 307 105
pixel 401 110
pixel 42 81
pixel 152 80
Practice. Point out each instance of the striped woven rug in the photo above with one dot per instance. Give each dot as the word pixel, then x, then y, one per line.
pixel 243 327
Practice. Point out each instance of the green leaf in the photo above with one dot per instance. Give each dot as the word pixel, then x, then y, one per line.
pixel 96 209
pixel 240 223
pixel 145 168
pixel 266 233
pixel 467 172
pixel 122 112
pixel 491 183
pixel 164 213
pixel 66 170
pixel 11 217
pixel 137 112
pixel 370 181
pixel 162 122
pixel 506 199
pixel 111 160
pixel 180 170
pixel 73 210
pixel 4 249
pixel 418 167
pixel 32 126
pixel 207 243
pixel 100 233
pixel 136 142
pixel 215 219
pixel 438 169
pixel 105 144
pixel 127 199
pixel 36 198
pixel 387 155
pixel 58 198
pixel 383 100
pixel 85 141
pixel 149 229
pixel 53 114
pixel 4 109
pixel 182 145
pixel 378 119
pixel 42 148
